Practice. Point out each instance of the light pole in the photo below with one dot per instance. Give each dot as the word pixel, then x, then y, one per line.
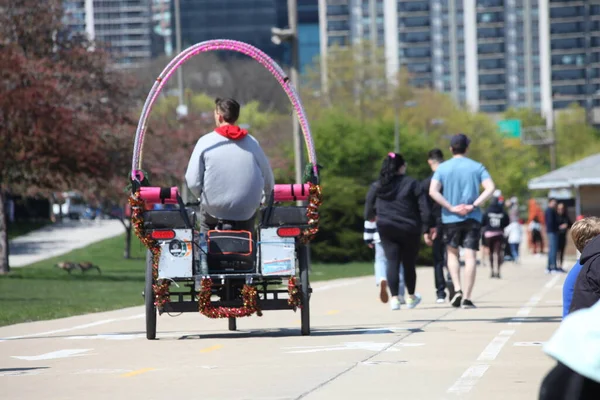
pixel 553 143
pixel 182 110
pixel 323 49
pixel 291 35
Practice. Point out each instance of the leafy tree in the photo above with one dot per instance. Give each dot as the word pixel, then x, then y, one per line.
pixel 527 116
pixel 63 113
pixel 352 151
pixel 575 138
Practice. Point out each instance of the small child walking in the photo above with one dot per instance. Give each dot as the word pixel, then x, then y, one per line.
pixel 371 238
pixel 514 234
pixel 535 230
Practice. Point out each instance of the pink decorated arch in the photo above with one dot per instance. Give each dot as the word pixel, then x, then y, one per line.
pixel 219 45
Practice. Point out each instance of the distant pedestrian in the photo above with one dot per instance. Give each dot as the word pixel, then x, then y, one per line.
pixel 513 209
pixel 434 158
pixel 495 219
pixel 535 231
pixel 514 236
pixel 564 224
pixel 485 246
pixel 372 239
pixel 402 214
pixel 551 218
pixel 461 179
pixel 513 215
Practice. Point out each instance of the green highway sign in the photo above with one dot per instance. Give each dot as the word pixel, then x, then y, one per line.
pixel 510 128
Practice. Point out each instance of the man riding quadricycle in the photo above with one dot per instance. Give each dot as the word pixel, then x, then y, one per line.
pixel 230 259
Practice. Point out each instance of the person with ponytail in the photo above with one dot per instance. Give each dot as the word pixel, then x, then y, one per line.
pixel 402 215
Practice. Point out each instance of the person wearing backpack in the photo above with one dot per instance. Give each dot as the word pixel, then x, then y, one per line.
pixel 495 219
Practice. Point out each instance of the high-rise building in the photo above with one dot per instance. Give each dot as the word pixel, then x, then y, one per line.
pixel 417 40
pixel 78 17
pixel 249 21
pixel 488 54
pixel 308 32
pixel 573 64
pixel 161 28
pixel 122 26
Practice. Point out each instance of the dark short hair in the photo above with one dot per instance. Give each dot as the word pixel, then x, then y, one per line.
pixel 459 143
pixel 435 155
pixel 229 109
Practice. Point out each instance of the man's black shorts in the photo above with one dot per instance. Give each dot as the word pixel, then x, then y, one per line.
pixel 465 234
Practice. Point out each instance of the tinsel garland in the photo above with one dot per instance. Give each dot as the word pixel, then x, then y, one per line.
pixel 161 290
pixel 249 307
pixel 294 298
pixel 315 199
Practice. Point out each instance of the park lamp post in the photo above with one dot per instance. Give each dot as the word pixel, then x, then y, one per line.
pixel 182 110
pixel 290 35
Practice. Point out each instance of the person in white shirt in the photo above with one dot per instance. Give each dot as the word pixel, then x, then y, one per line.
pixel 514 233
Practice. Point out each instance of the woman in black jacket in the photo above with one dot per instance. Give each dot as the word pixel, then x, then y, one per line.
pixel 402 212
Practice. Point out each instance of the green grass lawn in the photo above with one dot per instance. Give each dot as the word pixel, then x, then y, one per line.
pixel 41 292
pixel 21 228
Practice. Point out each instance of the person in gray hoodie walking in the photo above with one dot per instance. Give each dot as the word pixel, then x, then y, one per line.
pixel 229 172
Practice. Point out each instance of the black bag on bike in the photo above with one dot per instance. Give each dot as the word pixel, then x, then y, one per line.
pixel 230 251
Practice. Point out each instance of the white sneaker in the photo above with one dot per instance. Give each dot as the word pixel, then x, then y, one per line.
pixel 440 300
pixel 395 303
pixel 401 298
pixel 412 303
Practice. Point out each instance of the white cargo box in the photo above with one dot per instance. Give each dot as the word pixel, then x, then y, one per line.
pixel 176 256
pixel 277 254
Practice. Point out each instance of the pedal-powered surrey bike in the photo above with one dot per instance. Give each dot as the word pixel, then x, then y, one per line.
pixel 226 273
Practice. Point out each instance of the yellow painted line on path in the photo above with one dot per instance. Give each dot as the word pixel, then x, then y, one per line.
pixel 137 372
pixel 212 348
pixel 332 312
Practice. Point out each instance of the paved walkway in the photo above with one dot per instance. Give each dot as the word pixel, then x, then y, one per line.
pixel 359 349
pixel 60 238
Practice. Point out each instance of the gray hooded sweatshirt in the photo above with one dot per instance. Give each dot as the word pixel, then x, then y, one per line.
pixel 229 176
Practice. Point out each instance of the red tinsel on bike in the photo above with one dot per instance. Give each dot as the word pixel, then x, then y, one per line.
pixel 161 290
pixel 294 299
pixel 315 199
pixel 249 307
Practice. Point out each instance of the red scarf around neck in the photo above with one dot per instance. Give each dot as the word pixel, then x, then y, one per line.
pixel 232 132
